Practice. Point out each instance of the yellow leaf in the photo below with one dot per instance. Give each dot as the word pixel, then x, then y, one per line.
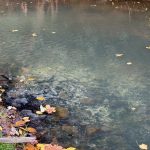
pixel 143 147
pixel 31 79
pixel 41 146
pixel 71 148
pixel 39 112
pixel 1 128
pixel 40 98
pixel 26 119
pixel 20 132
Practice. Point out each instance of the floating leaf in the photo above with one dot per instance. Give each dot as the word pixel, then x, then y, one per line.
pixel 40 98
pixel 31 79
pixel 119 55
pixel 34 34
pixel 143 147
pixel 71 148
pixel 129 63
pixel 31 130
pixel 50 109
pixel 148 47
pixel 15 30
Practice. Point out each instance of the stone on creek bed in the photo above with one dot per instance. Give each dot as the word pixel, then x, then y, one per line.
pixel 87 101
pixel 62 112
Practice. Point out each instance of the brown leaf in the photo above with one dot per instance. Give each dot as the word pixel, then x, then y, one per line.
pixel 20 123
pixel 31 130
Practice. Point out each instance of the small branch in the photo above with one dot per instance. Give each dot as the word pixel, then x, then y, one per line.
pixel 18 140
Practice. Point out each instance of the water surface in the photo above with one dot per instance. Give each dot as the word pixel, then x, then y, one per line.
pixel 78 40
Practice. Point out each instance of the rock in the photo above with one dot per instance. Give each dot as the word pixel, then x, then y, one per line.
pixel 92 130
pixel 70 129
pixel 63 95
pixel 86 101
pixel 62 112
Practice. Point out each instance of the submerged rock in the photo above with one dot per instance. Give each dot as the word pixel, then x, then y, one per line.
pixel 72 130
pixel 62 112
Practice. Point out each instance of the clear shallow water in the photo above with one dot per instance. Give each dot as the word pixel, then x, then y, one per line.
pixel 78 41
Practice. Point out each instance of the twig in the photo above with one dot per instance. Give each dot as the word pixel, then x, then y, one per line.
pixel 18 140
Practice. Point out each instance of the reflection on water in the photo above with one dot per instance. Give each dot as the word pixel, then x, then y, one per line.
pixel 78 40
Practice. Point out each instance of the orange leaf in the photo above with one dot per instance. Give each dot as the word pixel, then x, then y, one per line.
pixel 20 123
pixel 50 109
pixel 26 119
pixel 29 146
pixel 31 130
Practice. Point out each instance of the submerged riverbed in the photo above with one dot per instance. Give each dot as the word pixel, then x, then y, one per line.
pixel 91 58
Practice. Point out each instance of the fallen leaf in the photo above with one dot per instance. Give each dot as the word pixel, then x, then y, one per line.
pixel 20 123
pixel 34 34
pixel 129 63
pixel 50 109
pixel 40 98
pixel 11 107
pixel 31 79
pixel 31 130
pixel 14 131
pixel 143 147
pixel 42 109
pixel 20 132
pixel 39 112
pixel 15 30
pixel 26 119
pixel 29 146
pixel 53 147
pixel 71 148
pixel 148 47
pixel 41 146
pixel 119 55
pixel 2 90
pixel 1 128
